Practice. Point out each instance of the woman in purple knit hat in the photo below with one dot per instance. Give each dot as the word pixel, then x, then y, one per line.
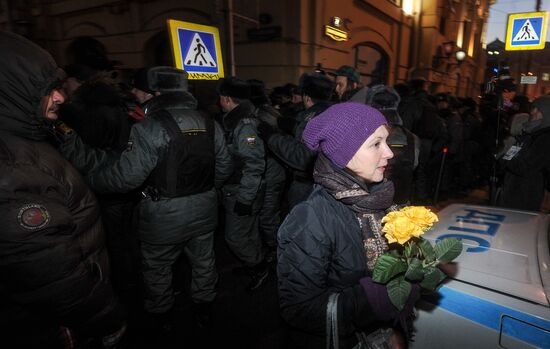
pixel 328 245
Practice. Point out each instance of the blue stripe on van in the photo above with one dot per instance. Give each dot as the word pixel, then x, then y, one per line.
pixel 490 314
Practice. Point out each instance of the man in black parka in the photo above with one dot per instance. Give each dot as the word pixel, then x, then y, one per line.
pixel 290 150
pixel 53 263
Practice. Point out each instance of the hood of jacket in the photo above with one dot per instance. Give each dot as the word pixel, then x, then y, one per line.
pixel 28 73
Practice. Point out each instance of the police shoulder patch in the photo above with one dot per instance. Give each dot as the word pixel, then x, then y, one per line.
pixel 33 216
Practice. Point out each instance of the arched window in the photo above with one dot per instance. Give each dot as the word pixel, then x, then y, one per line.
pixel 372 62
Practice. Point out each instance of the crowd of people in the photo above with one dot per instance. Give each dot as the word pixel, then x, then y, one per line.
pixel 104 186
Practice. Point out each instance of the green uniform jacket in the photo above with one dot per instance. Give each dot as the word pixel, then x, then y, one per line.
pixel 161 221
pixel 247 151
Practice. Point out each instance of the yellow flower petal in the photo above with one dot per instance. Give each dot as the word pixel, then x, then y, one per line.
pixel 411 221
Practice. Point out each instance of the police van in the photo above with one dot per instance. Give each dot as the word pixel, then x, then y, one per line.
pixel 498 290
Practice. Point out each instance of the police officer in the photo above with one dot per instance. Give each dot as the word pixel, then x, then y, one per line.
pixel 404 144
pixel 316 92
pixel 244 191
pixel 275 174
pixel 179 155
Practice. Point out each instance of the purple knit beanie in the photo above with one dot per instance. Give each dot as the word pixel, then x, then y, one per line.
pixel 339 131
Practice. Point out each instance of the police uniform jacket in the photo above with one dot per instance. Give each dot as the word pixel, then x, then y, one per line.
pixel 247 152
pixel 163 220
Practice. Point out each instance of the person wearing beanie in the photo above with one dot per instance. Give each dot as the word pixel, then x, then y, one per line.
pixel 330 242
pixel 527 164
pixel 348 82
pixel 177 158
pixel 316 91
pixel 244 191
pixel 404 144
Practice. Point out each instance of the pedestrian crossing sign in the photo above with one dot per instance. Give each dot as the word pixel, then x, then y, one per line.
pixel 526 31
pixel 196 49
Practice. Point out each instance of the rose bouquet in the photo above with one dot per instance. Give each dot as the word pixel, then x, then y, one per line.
pixel 412 259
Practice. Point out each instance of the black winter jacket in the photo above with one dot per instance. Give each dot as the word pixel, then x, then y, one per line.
pixel 53 263
pixel 528 173
pixel 321 252
pixel 161 221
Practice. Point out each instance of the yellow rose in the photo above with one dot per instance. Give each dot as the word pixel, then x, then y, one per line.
pixel 420 216
pixel 401 229
pixel 390 217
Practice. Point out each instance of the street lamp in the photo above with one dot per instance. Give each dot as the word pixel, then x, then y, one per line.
pixel 460 56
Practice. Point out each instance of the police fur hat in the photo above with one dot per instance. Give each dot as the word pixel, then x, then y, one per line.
pixel 417 84
pixel 258 95
pixel 161 79
pixel 382 97
pixel 316 86
pixel 385 99
pixel 234 87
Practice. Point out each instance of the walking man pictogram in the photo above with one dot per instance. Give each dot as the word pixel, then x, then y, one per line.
pixel 526 31
pixel 199 47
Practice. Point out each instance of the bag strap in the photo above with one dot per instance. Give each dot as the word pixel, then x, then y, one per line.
pixel 332 321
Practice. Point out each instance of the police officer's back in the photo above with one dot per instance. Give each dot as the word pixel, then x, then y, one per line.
pixel 179 155
pixel 244 191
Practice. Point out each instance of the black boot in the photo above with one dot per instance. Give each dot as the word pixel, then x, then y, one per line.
pixel 202 313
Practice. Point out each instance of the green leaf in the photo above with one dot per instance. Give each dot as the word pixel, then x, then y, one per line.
pixel 414 248
pixel 427 249
pixel 386 267
pixel 398 291
pixel 432 277
pixel 415 271
pixel 448 249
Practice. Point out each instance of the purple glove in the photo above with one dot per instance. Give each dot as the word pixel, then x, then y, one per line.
pixel 381 304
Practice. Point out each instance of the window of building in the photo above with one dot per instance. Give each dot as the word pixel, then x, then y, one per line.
pixel 460 35
pixel 372 62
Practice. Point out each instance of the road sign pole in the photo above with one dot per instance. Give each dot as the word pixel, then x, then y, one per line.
pixel 231 37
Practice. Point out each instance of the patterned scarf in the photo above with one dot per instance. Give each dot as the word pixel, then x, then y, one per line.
pixel 370 204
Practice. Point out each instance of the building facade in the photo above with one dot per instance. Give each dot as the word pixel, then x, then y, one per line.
pixel 388 41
